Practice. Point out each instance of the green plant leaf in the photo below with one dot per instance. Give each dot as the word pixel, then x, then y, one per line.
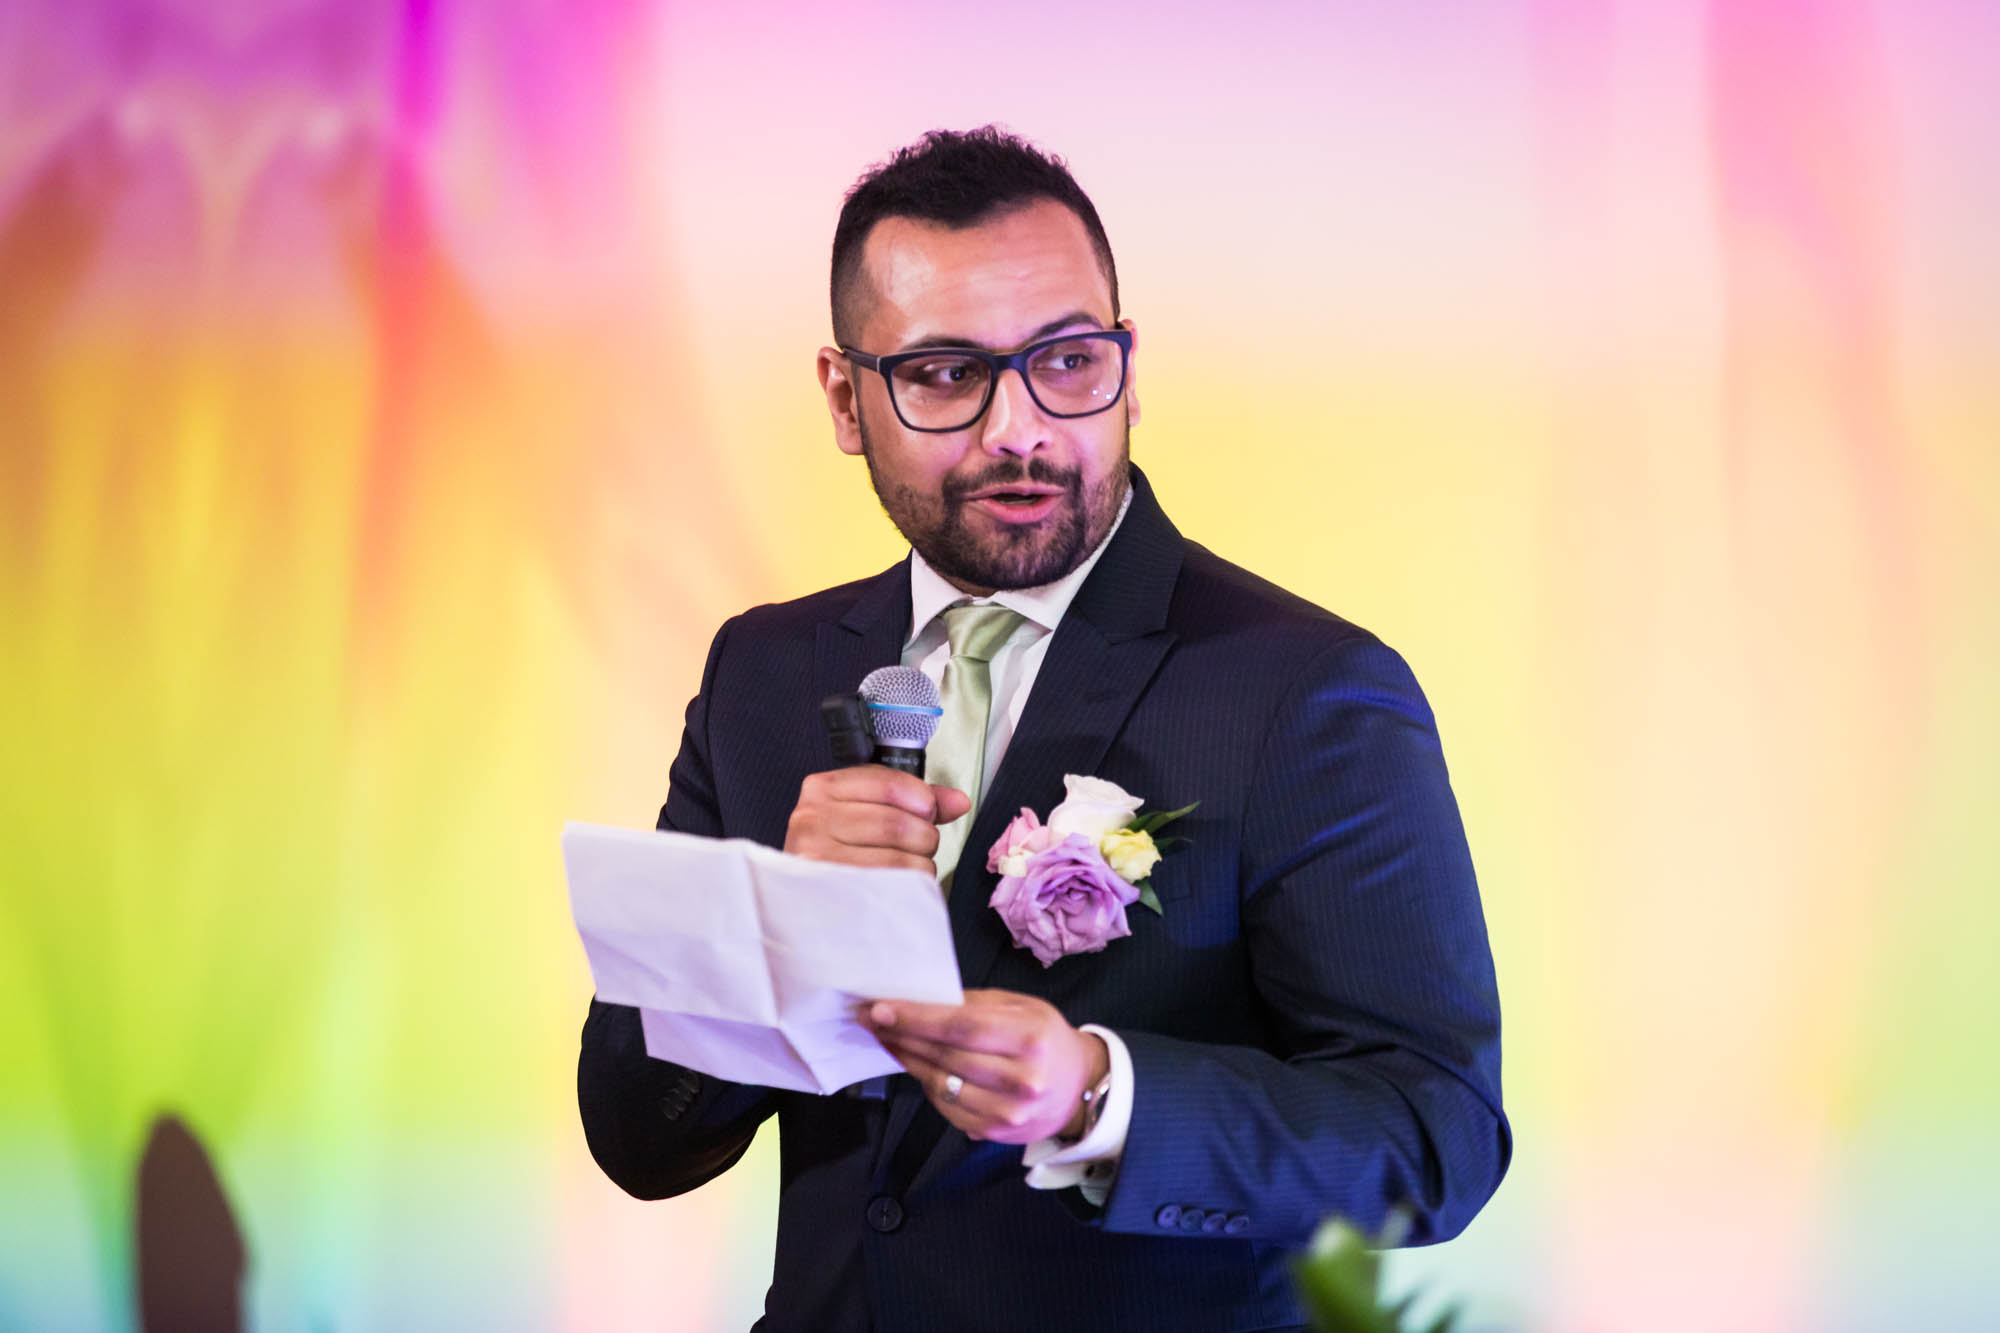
pixel 1444 1321
pixel 1147 898
pixel 1339 1279
pixel 1339 1292
pixel 1337 1275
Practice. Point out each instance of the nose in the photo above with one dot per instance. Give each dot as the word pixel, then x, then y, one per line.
pixel 1013 423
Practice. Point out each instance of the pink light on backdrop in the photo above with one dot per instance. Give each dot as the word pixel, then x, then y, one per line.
pixel 1707 1101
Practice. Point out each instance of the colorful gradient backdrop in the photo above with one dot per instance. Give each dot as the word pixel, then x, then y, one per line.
pixel 395 396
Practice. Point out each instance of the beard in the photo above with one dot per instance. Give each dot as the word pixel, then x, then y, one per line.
pixel 1012 557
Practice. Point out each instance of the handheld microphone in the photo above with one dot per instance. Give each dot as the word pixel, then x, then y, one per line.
pixel 888 721
pixel 903 712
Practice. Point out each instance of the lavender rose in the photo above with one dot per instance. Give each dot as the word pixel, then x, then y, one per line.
pixel 1066 900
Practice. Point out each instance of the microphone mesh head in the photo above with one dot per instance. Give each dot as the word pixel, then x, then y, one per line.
pixel 903 706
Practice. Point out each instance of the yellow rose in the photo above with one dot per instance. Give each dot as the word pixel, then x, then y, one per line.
pixel 1130 855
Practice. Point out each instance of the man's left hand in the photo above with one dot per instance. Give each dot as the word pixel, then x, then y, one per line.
pixel 1024 1068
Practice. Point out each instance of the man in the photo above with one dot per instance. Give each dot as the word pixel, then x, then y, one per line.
pixel 1308 1026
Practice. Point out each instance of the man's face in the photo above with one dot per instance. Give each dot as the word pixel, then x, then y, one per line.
pixel 1019 497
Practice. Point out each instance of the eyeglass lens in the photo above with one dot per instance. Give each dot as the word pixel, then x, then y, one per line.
pixel 947 390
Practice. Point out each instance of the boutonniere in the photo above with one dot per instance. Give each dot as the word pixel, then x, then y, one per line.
pixel 1064 885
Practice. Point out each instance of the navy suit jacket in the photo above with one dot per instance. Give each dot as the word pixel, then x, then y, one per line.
pixel 1312 1020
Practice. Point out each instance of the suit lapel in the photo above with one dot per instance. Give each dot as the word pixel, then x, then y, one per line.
pixel 1104 653
pixel 868 636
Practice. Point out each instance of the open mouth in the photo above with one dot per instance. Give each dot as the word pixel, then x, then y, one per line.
pixel 1012 504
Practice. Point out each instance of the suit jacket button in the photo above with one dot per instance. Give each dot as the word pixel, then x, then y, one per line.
pixel 1191 1219
pixel 1169 1215
pixel 884 1213
pixel 1212 1224
pixel 1237 1224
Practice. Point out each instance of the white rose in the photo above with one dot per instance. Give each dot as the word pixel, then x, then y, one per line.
pixel 1093 808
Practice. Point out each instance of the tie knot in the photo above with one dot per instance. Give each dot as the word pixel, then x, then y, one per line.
pixel 978 631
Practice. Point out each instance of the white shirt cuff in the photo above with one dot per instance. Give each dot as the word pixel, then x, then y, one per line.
pixel 1091 1163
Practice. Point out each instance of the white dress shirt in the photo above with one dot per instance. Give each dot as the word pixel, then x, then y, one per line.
pixel 1091 1163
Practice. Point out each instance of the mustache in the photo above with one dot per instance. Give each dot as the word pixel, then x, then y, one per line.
pixel 1038 470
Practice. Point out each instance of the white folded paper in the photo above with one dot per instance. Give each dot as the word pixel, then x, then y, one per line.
pixel 747 963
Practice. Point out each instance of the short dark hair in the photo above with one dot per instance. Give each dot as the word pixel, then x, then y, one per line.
pixel 958 178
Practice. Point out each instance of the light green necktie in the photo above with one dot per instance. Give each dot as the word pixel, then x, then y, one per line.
pixel 956 756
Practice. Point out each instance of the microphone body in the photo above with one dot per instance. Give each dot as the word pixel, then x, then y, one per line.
pixel 900 759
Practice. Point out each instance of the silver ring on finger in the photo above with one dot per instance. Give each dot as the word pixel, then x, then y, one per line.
pixel 953 1085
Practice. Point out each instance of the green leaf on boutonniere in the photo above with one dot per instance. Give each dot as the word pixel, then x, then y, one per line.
pixel 1159 818
pixel 1147 898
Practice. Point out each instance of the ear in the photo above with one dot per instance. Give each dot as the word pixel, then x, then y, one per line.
pixel 836 377
pixel 1131 374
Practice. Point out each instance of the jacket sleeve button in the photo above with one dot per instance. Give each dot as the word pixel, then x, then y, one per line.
pixel 1169 1215
pixel 1191 1219
pixel 1237 1224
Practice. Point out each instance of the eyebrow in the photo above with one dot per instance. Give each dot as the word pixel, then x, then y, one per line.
pixel 1054 326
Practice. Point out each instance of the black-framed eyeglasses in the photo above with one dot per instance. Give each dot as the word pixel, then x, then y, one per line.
pixel 939 389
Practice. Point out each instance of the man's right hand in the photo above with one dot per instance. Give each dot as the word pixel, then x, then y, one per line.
pixel 872 816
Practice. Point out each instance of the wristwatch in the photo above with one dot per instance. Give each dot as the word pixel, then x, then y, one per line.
pixel 1093 1105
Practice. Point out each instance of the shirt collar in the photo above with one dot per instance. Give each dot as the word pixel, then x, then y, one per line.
pixel 1044 605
